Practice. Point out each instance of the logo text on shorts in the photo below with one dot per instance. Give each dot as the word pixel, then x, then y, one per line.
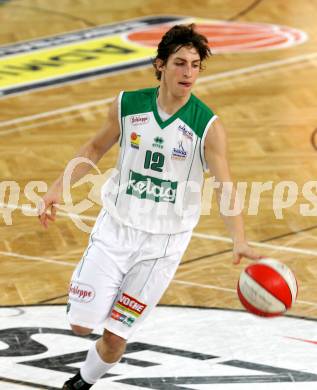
pixel 126 320
pixel 81 292
pixel 132 304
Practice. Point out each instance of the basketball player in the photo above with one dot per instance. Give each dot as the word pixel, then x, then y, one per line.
pixel 167 138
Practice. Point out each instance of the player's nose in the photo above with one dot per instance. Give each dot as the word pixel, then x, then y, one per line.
pixel 188 71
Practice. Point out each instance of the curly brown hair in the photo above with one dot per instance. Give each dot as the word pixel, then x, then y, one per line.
pixel 177 37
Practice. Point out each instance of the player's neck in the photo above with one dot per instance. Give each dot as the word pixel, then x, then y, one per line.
pixel 170 103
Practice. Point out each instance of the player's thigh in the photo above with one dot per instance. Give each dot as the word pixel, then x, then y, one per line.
pixel 141 290
pixel 93 288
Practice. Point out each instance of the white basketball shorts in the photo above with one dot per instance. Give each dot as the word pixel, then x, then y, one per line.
pixel 122 276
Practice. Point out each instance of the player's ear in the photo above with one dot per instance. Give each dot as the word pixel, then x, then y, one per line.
pixel 159 64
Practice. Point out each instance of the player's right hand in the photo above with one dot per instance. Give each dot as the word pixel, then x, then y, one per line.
pixel 241 250
pixel 48 206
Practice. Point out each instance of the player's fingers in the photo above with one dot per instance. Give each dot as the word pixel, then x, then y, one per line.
pixel 42 212
pixel 236 258
pixel 44 217
pixel 41 218
pixel 41 207
pixel 50 217
pixel 45 222
pixel 53 212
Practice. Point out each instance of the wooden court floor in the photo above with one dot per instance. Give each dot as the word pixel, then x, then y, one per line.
pixel 269 112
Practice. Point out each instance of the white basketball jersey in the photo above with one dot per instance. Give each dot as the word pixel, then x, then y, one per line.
pixel 157 185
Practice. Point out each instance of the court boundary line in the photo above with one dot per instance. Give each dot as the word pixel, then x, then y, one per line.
pixel 163 305
pixel 98 103
pixel 213 287
pixel 177 281
pixel 58 119
pixel 58 111
pixel 259 244
pixel 204 79
pixel 211 237
pixel 36 258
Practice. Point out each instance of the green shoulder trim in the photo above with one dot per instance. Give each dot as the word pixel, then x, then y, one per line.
pixel 197 116
pixel 136 102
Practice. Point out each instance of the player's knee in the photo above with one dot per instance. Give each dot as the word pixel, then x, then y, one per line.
pixel 114 342
pixel 80 330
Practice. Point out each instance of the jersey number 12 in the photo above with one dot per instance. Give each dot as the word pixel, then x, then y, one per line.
pixel 154 161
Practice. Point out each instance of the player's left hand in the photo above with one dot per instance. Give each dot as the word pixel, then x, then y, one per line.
pixel 242 249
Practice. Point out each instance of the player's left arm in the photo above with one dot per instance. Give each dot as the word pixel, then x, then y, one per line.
pixel 215 149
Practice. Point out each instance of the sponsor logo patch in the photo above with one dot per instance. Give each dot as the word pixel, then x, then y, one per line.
pixel 81 292
pixel 138 120
pixel 130 304
pixel 148 187
pixel 187 133
pixel 158 142
pixel 179 153
pixel 135 140
pixel 129 321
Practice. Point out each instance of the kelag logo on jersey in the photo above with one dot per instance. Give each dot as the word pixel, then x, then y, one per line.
pixel 148 187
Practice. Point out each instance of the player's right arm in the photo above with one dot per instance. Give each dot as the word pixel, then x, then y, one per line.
pixel 93 150
pixel 217 160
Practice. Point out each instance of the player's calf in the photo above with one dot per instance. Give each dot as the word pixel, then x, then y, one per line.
pixel 111 347
pixel 80 330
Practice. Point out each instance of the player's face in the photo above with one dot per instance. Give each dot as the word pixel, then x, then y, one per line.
pixel 181 71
